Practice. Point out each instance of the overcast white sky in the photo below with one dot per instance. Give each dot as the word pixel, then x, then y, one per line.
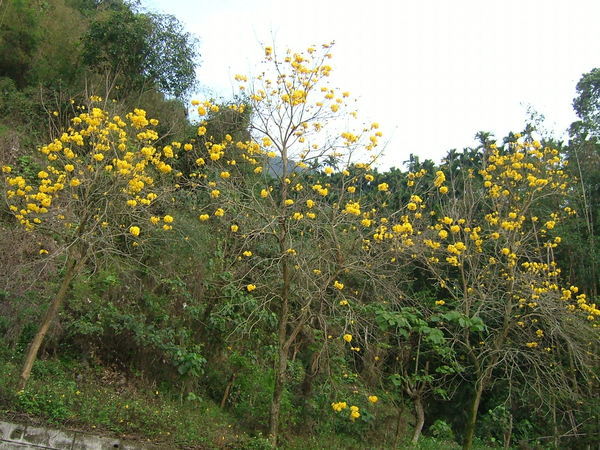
pixel 432 72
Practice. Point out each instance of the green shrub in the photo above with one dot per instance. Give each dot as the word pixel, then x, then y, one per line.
pixel 441 430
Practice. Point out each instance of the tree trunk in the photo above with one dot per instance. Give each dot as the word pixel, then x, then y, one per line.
pixel 508 433
pixel 34 347
pixel 420 412
pixel 280 370
pixel 311 372
pixel 282 331
pixel 282 358
pixel 227 390
pixel 277 395
pixel 555 425
pixel 470 430
pixel 399 426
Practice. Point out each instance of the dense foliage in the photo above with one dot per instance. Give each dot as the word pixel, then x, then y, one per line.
pixel 252 279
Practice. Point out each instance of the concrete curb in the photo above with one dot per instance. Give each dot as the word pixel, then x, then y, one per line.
pixel 19 437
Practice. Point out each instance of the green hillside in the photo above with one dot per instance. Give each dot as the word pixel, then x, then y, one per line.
pixel 239 273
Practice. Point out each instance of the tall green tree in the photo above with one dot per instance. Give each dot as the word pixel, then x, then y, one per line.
pixel 142 51
pixel 20 35
pixel 587 105
pixel 583 154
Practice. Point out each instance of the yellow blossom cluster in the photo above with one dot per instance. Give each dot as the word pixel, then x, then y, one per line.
pixel 339 406
pixel 354 410
pixel 99 159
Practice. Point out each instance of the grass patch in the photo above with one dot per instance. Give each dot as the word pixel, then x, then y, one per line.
pixel 99 399
pixel 102 400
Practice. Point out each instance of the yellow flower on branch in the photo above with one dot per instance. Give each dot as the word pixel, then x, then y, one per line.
pixel 339 406
pixel 439 179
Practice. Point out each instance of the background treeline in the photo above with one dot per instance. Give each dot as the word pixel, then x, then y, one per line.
pixel 161 346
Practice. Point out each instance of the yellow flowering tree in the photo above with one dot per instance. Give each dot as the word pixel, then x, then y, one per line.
pixel 101 179
pixel 486 242
pixel 297 235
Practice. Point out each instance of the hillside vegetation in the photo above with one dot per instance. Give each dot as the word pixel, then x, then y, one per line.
pixel 251 279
